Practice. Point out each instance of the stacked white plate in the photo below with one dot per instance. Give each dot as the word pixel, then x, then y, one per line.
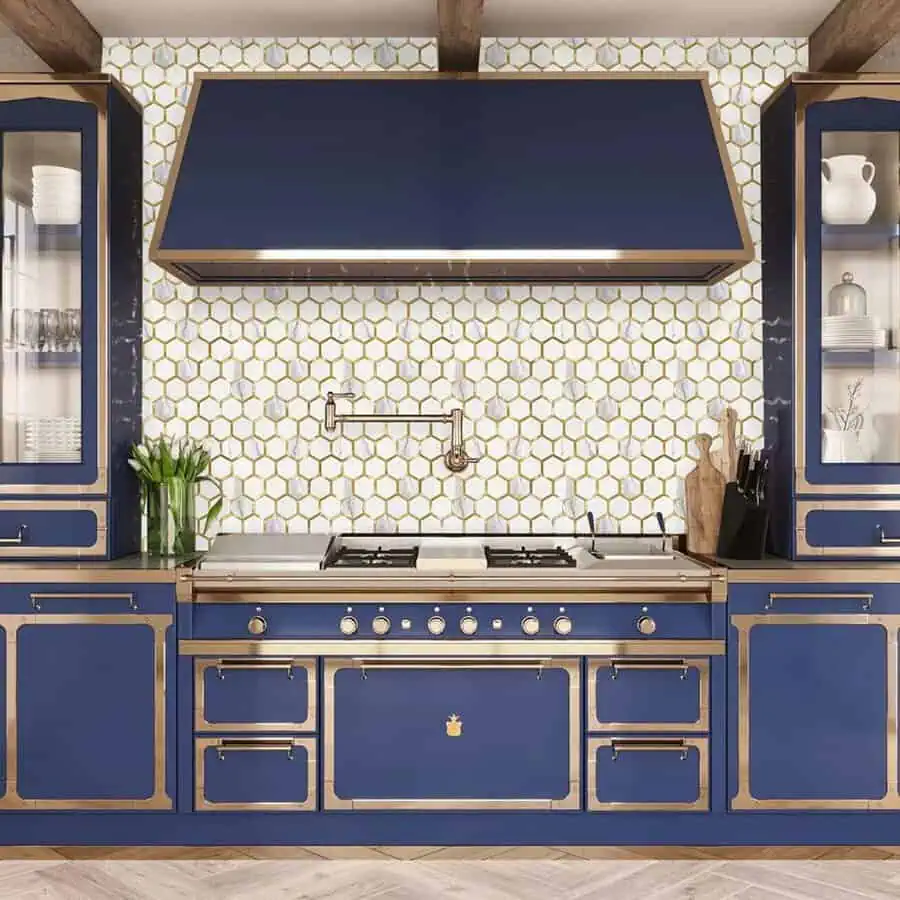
pixel 852 333
pixel 56 195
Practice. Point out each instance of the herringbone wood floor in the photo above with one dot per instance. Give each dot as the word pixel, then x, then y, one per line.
pixel 449 873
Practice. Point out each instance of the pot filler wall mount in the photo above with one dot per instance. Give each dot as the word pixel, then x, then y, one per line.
pixel 456 458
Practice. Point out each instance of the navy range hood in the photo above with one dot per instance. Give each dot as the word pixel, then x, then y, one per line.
pixel 354 177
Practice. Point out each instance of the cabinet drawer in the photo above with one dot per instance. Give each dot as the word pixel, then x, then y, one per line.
pixel 648 695
pixel 648 774
pixel 452 734
pixel 72 598
pixel 61 529
pixel 861 529
pixel 255 773
pixel 255 694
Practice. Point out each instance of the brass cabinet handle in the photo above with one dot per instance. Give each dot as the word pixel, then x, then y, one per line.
pixel 674 745
pixel 272 662
pixel 37 599
pixel 616 665
pixel 865 599
pixel 884 539
pixel 537 665
pixel 229 745
pixel 18 539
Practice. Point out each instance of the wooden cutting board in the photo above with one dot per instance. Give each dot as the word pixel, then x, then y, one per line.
pixel 725 458
pixel 704 490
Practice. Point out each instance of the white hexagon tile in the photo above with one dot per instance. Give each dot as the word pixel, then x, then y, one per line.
pixel 574 395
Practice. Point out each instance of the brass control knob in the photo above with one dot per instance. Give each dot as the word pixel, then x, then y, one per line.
pixel 381 625
pixel 257 625
pixel 348 625
pixel 468 625
pixel 530 625
pixel 562 625
pixel 646 625
pixel 436 625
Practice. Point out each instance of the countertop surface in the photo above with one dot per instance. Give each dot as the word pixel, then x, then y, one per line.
pixel 136 567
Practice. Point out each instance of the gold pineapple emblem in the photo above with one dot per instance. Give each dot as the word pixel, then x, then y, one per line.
pixel 454 726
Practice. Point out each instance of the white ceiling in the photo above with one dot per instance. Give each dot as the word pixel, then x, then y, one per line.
pixel 418 18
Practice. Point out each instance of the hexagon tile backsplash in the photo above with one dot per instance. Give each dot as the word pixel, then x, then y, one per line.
pixel 575 396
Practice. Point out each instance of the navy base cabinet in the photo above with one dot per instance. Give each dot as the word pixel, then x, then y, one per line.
pixel 87 721
pixel 813 697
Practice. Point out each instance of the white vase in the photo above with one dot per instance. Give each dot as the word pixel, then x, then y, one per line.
pixel 840 446
pixel 847 194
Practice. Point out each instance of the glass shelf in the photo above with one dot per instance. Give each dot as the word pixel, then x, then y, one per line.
pixel 45 359
pixel 872 236
pixel 861 359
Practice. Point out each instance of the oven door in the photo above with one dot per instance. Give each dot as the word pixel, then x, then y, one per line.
pixel 452 734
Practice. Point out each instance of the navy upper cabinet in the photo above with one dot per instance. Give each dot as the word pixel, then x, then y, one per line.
pixel 831 310
pixel 416 177
pixel 70 317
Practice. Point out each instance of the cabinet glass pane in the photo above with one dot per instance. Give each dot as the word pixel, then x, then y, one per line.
pixel 860 330
pixel 40 298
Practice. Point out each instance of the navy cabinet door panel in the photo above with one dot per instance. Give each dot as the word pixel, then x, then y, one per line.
pixel 641 774
pixel 452 735
pixel 651 695
pixel 90 712
pixel 813 712
pixel 256 694
pixel 264 774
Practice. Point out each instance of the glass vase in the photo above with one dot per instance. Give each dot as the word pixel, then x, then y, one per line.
pixel 170 517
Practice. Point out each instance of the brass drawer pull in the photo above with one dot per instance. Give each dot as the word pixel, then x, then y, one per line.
pixel 865 599
pixel 660 665
pixel 38 599
pixel 229 745
pixel 18 539
pixel 261 663
pixel 884 539
pixel 643 745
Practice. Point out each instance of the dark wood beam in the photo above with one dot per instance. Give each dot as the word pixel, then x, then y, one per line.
pixel 56 31
pixel 459 34
pixel 852 33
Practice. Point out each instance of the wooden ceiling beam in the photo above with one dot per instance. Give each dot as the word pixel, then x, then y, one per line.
pixel 56 31
pixel 852 33
pixel 459 34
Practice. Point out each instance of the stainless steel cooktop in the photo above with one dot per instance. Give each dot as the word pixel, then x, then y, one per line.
pixel 248 554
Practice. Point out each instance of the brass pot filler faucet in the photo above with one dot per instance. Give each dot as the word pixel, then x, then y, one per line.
pixel 456 458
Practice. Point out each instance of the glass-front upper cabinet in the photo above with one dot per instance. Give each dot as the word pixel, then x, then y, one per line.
pixel 41 298
pixel 70 316
pixel 831 314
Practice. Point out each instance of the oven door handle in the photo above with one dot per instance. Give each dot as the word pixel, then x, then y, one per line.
pixel 367 665
pixel 677 665
pixel 256 663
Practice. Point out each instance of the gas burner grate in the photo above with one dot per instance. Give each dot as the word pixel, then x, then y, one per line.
pixel 375 558
pixel 524 558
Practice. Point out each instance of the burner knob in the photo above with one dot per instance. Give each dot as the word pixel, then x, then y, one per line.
pixel 257 625
pixel 436 625
pixel 381 625
pixel 646 625
pixel 468 625
pixel 349 625
pixel 562 625
pixel 530 625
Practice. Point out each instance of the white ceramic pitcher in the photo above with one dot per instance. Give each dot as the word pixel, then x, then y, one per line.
pixel 847 194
